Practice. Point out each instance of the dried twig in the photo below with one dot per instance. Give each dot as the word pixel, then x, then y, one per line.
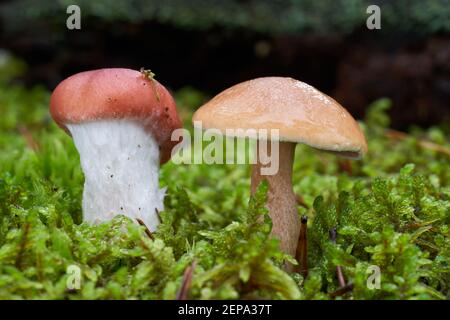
pixel 147 231
pixel 302 248
pixel 23 243
pixel 340 276
pixel 31 143
pixel 149 75
pixel 301 201
pixel 398 135
pixel 339 273
pixel 158 215
pixel 186 283
pixel 342 290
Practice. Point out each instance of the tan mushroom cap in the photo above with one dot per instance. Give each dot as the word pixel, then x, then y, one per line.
pixel 300 112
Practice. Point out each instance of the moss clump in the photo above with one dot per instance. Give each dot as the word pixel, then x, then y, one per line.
pixel 391 210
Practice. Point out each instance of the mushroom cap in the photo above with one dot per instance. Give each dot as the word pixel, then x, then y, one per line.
pixel 116 93
pixel 300 112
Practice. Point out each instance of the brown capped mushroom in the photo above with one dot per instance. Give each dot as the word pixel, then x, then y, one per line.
pixel 302 114
pixel 121 123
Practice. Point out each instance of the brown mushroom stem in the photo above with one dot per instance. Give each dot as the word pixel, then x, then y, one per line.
pixel 281 200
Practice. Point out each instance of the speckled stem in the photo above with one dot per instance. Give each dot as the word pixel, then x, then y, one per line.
pixel 281 199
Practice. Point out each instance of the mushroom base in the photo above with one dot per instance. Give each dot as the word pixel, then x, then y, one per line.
pixel 120 161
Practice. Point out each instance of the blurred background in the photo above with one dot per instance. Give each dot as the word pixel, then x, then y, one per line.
pixel 201 47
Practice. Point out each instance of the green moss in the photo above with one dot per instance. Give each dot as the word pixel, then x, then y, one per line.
pixel 392 211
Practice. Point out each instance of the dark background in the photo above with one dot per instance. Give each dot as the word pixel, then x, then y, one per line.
pixel 211 45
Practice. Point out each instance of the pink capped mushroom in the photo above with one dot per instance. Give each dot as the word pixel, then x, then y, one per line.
pixel 121 121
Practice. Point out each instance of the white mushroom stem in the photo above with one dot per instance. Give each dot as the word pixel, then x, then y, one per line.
pixel 281 200
pixel 120 161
